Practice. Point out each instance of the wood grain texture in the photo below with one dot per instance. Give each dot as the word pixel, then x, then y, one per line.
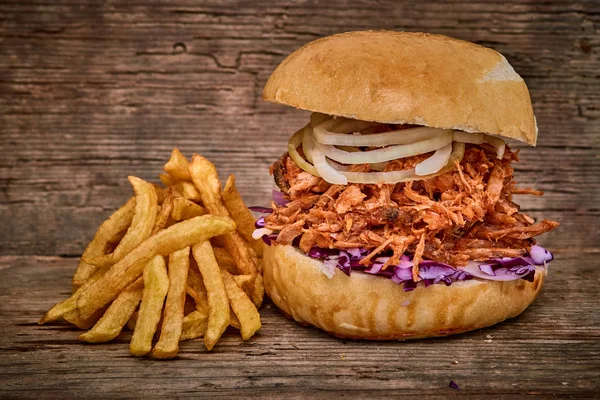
pixel 549 350
pixel 91 92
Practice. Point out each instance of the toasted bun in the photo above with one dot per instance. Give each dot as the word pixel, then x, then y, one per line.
pixel 407 78
pixel 361 306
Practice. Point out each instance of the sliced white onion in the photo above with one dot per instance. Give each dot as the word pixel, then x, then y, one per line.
pixel 392 177
pixel 498 143
pixel 325 170
pixel 293 143
pixel 389 153
pixel 404 136
pixel 437 161
pixel 307 143
pixel 466 137
pixel 260 232
pixel 374 178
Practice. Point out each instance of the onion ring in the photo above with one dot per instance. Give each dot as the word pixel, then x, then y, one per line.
pixel 498 143
pixel 403 136
pixel 434 163
pixel 293 143
pixel 392 177
pixel 389 153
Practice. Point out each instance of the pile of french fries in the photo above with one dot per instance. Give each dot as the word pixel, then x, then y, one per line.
pixel 174 263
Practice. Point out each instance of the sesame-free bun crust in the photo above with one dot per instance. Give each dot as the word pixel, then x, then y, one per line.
pixel 407 78
pixel 362 306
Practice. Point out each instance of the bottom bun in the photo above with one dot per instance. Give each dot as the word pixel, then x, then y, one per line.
pixel 363 306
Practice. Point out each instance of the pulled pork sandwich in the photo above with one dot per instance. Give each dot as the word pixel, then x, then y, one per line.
pixel 395 216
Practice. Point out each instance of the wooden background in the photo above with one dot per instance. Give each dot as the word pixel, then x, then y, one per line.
pixel 91 91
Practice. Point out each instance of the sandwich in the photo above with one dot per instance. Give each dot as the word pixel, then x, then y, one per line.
pixel 394 216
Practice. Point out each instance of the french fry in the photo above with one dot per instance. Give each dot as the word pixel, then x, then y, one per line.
pixel 194 325
pixel 241 214
pixel 156 285
pixel 168 343
pixel 166 179
pixel 196 289
pixel 132 321
pixel 218 303
pixel 186 190
pixel 205 177
pixel 123 273
pixel 146 206
pixel 74 318
pixel 235 322
pixel 59 310
pixel 242 307
pixel 110 231
pixel 257 292
pixel 177 166
pixel 253 254
pixel 161 193
pixel 243 281
pixel 185 209
pixel 116 316
pixel 218 241
pixel 163 214
pixel 200 294
pixel 225 260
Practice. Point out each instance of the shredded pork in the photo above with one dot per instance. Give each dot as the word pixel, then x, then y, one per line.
pixel 465 214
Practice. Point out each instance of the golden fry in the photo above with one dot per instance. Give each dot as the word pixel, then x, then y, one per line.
pixel 225 260
pixel 132 321
pixel 74 318
pixel 244 281
pixel 110 231
pixel 177 166
pixel 241 214
pixel 186 190
pixel 196 289
pixel 257 292
pixel 218 303
pixel 241 305
pixel 146 206
pixel 156 285
pixel 205 177
pixel 185 209
pixel 69 305
pixel 123 273
pixel 239 250
pixel 168 343
pixel 166 179
pixel 163 214
pixel 235 322
pixel 116 316
pixel 253 254
pixel 161 193
pixel 194 325
pixel 199 295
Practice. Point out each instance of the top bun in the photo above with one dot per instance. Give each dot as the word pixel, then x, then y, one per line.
pixel 407 78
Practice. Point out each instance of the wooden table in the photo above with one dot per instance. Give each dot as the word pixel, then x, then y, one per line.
pixel 93 91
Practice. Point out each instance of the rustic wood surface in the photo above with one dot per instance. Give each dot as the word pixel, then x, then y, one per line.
pixel 93 91
pixel 551 349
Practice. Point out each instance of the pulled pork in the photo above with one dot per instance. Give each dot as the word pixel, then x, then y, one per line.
pixel 464 214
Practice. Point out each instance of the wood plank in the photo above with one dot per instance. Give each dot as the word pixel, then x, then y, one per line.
pixel 552 349
pixel 91 93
